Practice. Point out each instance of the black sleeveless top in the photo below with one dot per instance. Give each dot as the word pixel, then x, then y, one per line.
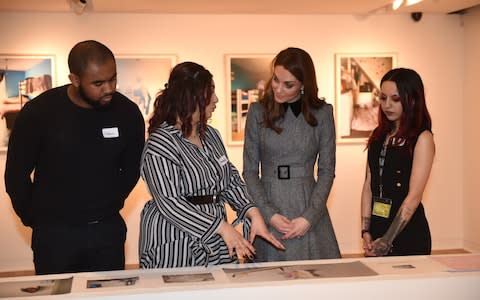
pixel 415 238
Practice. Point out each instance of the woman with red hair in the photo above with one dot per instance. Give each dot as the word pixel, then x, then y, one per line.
pixel 400 156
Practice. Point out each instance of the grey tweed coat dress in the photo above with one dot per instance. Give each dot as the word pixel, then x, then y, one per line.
pixel 279 172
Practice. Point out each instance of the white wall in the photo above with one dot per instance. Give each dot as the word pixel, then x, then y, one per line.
pixel 470 133
pixel 434 47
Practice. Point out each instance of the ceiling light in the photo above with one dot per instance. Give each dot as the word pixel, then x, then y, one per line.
pixel 412 2
pixel 396 4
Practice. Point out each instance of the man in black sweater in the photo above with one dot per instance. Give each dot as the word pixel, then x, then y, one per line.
pixel 73 158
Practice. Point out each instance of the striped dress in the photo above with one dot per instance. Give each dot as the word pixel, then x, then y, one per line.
pixel 173 231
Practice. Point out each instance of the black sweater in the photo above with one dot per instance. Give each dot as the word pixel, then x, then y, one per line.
pixel 85 162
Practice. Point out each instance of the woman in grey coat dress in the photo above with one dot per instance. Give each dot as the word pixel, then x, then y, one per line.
pixel 286 132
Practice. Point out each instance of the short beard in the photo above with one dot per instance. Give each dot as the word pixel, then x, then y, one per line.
pixel 94 104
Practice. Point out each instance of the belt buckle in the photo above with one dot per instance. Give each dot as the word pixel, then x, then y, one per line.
pixel 217 198
pixel 283 172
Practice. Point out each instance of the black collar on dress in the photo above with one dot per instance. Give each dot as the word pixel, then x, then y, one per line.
pixel 296 107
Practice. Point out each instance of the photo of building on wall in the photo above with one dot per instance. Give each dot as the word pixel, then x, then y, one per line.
pixel 358 87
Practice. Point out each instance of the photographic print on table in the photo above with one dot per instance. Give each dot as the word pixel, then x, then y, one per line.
pixel 184 278
pixel 302 271
pixel 357 85
pixel 112 282
pixel 37 287
pixel 246 75
pixel 22 78
pixel 142 77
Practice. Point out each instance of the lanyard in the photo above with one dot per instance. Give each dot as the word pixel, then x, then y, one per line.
pixel 381 164
pixel 383 153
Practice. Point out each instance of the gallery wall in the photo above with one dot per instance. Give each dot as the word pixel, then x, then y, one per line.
pixel 470 134
pixel 435 47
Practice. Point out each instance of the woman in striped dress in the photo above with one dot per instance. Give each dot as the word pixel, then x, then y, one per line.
pixel 190 178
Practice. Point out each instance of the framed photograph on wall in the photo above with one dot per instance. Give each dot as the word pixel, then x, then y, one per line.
pixel 357 86
pixel 142 77
pixel 22 78
pixel 247 75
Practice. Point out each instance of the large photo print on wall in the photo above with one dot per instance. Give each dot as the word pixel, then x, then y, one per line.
pixel 246 75
pixel 142 77
pixel 357 88
pixel 22 78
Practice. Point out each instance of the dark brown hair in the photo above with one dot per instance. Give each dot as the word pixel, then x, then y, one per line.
pixel 300 64
pixel 189 87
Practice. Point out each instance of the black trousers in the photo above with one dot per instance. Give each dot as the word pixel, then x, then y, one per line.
pixel 95 246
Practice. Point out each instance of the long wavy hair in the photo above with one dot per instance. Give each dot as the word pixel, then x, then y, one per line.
pixel 189 87
pixel 300 64
pixel 415 117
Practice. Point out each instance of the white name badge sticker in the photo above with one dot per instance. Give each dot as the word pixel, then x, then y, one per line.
pixel 222 160
pixel 109 133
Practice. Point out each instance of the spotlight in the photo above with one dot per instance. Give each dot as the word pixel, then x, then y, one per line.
pixel 396 4
pixel 416 16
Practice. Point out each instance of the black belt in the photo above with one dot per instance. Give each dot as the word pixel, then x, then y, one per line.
pixel 285 172
pixel 207 199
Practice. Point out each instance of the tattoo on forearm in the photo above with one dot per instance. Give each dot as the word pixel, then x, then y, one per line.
pixel 401 219
pixel 383 245
pixel 407 213
pixel 365 223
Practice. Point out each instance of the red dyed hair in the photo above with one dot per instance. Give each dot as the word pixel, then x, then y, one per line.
pixel 415 118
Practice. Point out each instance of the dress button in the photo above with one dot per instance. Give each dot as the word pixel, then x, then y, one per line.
pixel 398 171
pixel 399 184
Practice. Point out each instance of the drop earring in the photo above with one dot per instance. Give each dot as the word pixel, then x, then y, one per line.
pixel 302 90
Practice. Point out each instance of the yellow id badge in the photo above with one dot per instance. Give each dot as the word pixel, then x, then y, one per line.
pixel 381 207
